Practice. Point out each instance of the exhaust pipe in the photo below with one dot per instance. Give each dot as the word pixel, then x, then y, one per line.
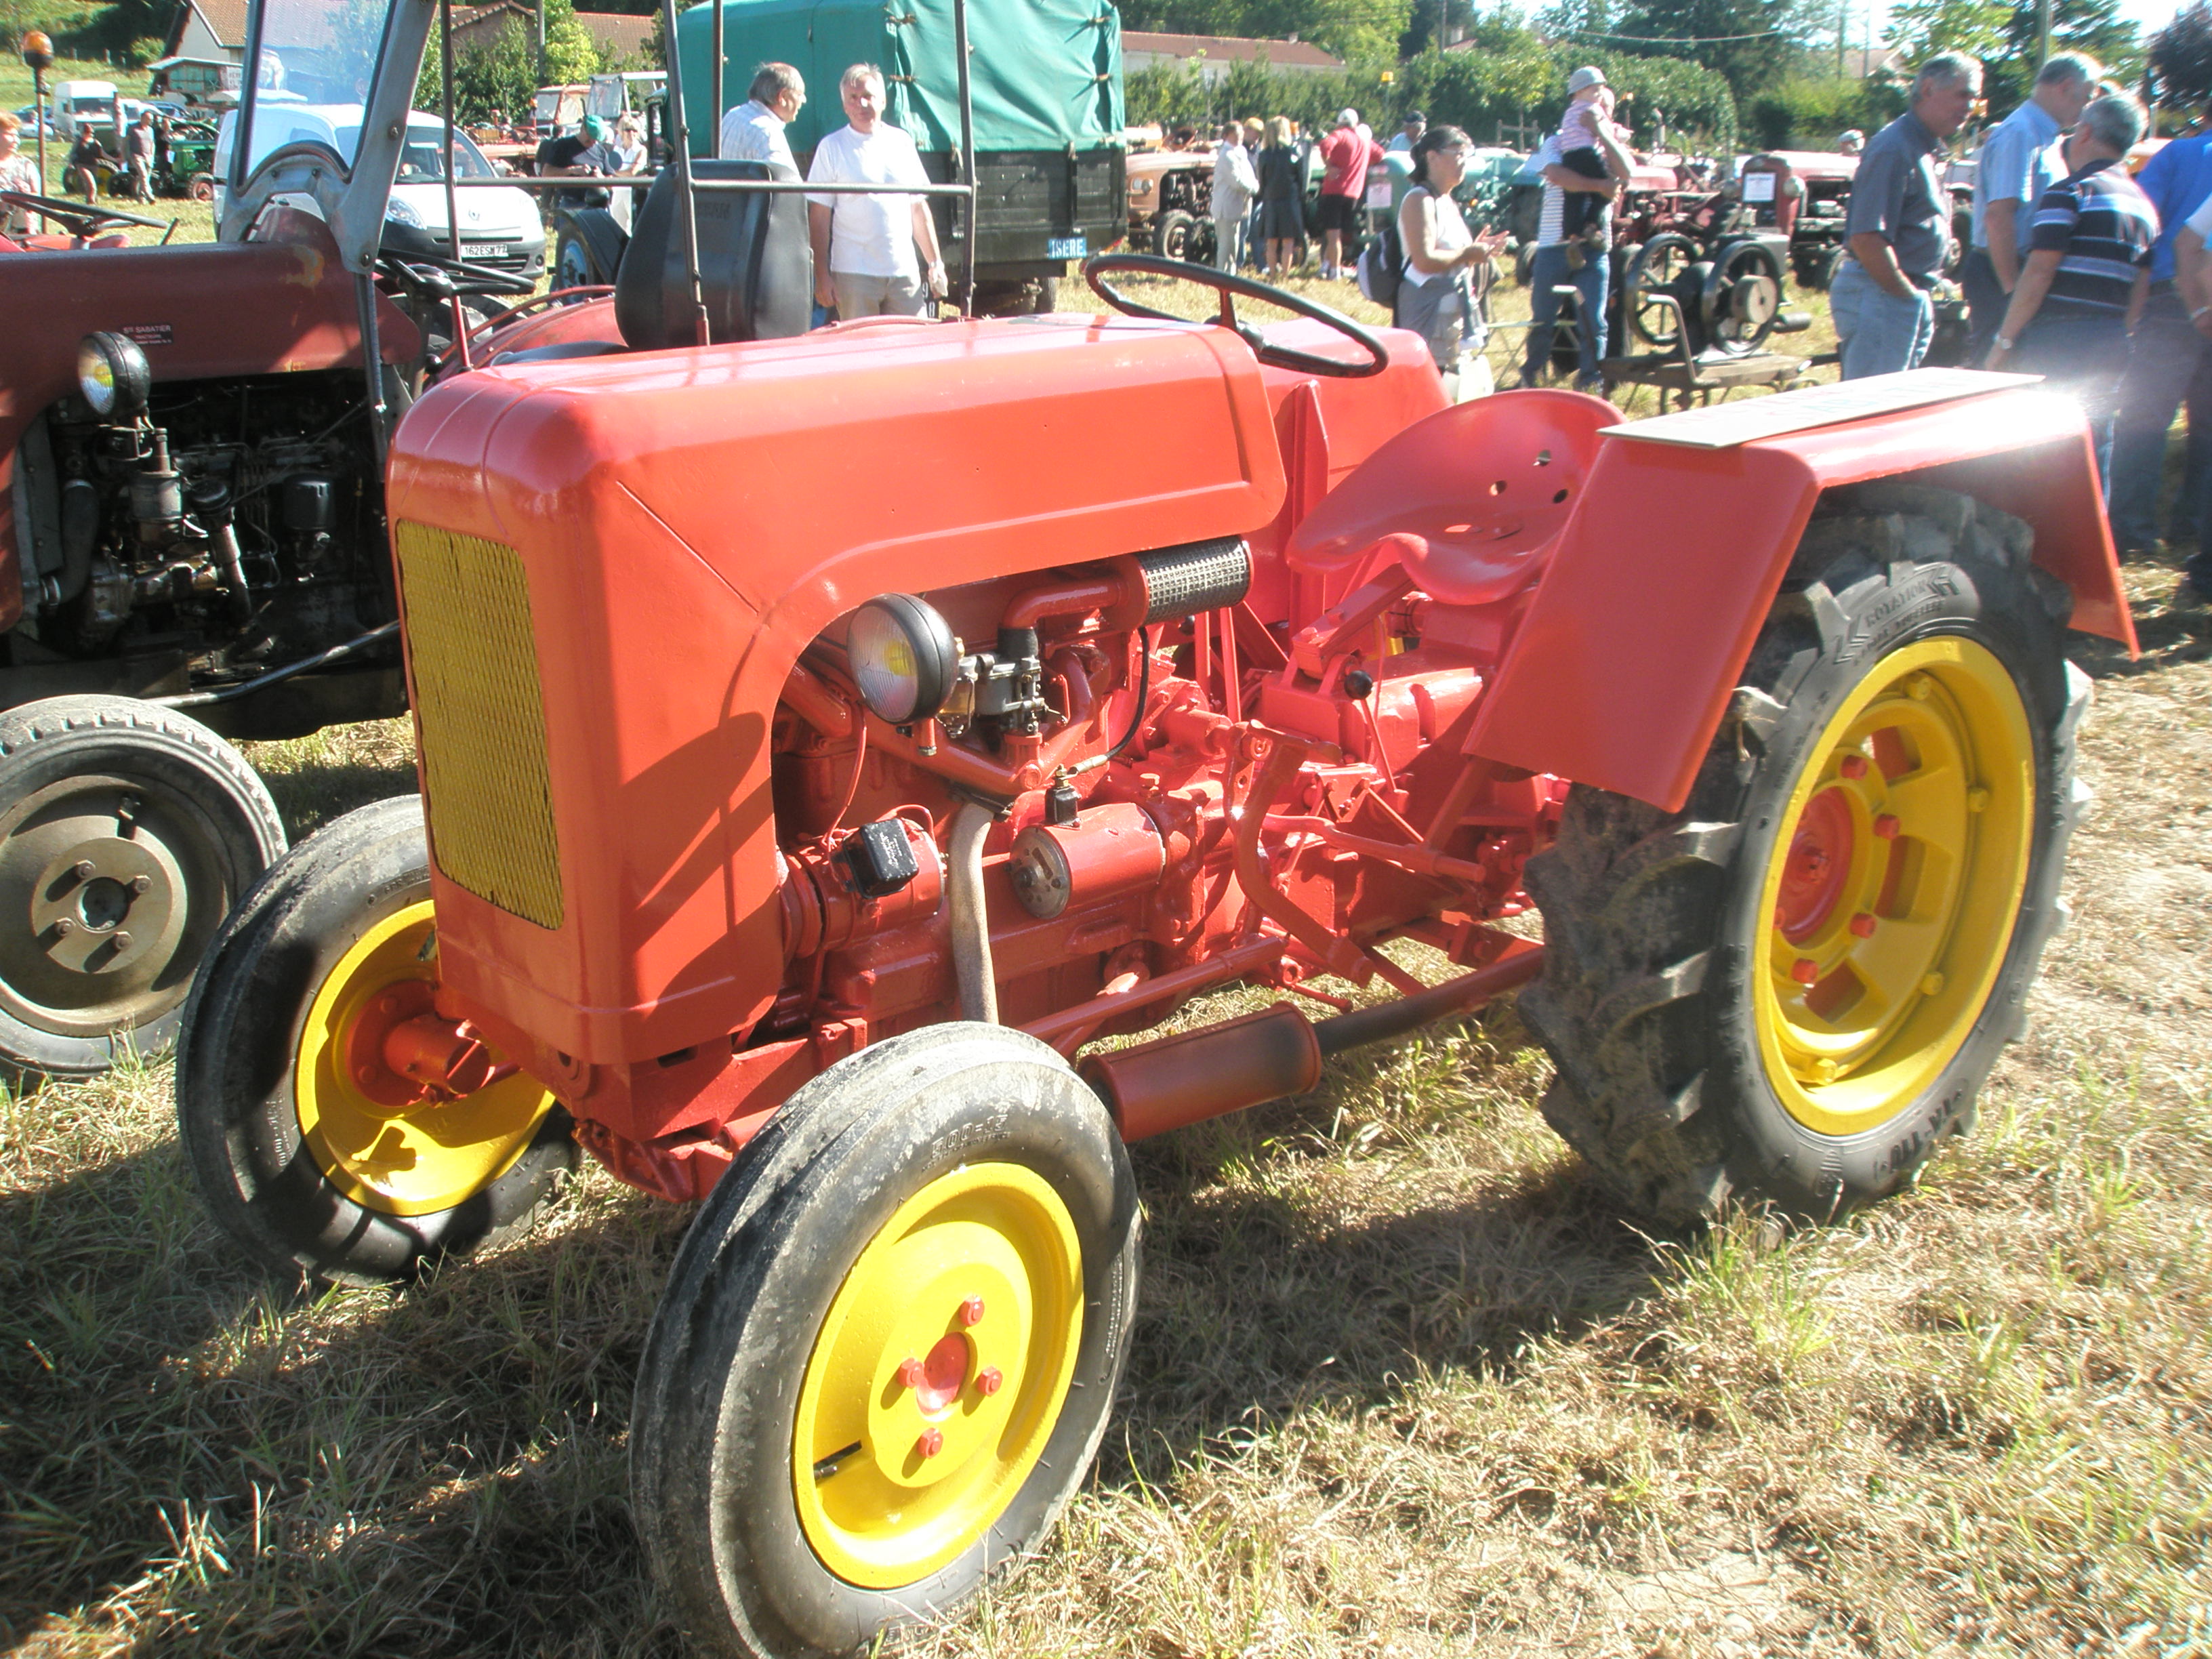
pixel 1192 1076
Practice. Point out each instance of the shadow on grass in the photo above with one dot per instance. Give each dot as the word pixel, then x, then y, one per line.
pixel 1257 1307
pixel 199 1461
pixel 196 1459
pixel 310 797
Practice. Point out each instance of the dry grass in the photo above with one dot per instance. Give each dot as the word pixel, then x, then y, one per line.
pixel 1402 1383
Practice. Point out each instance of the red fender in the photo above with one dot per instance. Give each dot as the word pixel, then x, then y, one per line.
pixel 1671 557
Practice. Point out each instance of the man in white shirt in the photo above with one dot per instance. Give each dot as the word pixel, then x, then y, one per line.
pixel 753 131
pixel 873 255
pixel 1235 185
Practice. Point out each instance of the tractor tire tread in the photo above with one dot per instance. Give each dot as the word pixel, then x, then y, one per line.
pixel 1630 894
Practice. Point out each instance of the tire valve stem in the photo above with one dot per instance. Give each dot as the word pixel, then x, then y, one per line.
pixel 826 1467
pixel 1932 986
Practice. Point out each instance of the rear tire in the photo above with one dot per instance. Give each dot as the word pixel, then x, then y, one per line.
pixel 778 1474
pixel 126 833
pixel 1791 989
pixel 297 1163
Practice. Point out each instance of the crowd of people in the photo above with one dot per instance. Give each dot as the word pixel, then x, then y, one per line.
pixel 2077 272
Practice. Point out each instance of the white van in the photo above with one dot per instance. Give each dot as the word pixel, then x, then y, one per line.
pixel 71 100
pixel 499 228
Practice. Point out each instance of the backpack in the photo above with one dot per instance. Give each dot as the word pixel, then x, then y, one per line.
pixel 1382 265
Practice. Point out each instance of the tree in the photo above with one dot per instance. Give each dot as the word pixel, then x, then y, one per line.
pixel 1752 43
pixel 571 54
pixel 1924 28
pixel 2181 58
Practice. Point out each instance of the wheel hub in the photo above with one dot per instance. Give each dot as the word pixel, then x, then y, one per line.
pixel 101 888
pixel 938 1375
pixel 1891 898
pixel 405 1112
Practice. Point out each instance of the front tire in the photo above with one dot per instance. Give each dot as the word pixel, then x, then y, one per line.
pixel 937 1236
pixel 306 1154
pixel 126 833
pixel 1791 989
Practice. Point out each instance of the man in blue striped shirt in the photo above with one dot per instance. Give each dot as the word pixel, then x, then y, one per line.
pixel 2168 362
pixel 2018 162
pixel 2087 268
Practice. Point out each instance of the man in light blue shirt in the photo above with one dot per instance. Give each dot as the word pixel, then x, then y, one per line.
pixel 2168 362
pixel 2018 161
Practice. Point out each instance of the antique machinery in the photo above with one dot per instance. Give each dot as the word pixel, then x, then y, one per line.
pixel 840 732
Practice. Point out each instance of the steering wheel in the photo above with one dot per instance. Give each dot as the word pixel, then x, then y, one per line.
pixel 404 269
pixel 1228 285
pixel 80 221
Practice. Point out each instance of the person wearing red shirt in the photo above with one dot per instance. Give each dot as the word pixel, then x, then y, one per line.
pixel 1348 153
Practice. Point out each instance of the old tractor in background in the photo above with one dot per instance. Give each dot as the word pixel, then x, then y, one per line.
pixel 191 519
pixel 827 738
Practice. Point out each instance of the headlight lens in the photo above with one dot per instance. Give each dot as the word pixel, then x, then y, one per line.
pixel 399 213
pixel 903 654
pixel 112 376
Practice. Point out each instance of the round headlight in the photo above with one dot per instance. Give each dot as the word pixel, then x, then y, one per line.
pixel 903 656
pixel 112 376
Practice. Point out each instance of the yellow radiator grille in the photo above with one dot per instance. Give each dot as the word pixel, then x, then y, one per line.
pixel 484 722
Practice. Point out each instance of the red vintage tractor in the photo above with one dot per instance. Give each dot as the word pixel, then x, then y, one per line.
pixel 838 750
pixel 823 740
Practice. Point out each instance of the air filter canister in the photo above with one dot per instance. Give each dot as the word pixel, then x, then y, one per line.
pixel 1182 581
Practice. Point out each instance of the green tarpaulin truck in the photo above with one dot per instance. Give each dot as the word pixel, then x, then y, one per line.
pixel 1045 85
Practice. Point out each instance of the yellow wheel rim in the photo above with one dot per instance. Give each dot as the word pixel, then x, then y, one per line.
pixel 383 1153
pixel 1895 884
pixel 938 1376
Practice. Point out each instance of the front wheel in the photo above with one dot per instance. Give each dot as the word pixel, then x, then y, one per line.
pixel 312 1147
pixel 888 1345
pixel 1791 989
pixel 126 833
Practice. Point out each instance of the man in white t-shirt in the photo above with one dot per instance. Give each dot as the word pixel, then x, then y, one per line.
pixel 753 131
pixel 873 255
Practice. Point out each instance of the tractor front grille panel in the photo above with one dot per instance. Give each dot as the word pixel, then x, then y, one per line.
pixel 480 708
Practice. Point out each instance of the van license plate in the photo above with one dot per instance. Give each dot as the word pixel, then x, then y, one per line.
pixel 484 250
pixel 1067 248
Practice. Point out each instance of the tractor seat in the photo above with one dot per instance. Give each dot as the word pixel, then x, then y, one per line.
pixel 1467 499
pixel 755 270
pixel 756 265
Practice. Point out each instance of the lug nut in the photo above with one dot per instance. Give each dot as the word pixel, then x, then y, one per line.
pixel 364 1073
pixel 64 927
pixel 84 869
pixel 1886 826
pixel 988 1382
pixel 1932 986
pixel 910 1374
pixel 1862 925
pixel 971 1311
pixel 1978 799
pixel 118 938
pixel 1853 766
pixel 1805 970
pixel 931 1443
pixel 140 884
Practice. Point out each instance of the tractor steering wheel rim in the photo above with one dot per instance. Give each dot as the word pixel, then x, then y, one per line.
pixel 1228 284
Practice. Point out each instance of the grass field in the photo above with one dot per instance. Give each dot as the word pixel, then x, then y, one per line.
pixel 1403 1384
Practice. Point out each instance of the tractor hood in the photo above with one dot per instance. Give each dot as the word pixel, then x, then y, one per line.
pixel 610 567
